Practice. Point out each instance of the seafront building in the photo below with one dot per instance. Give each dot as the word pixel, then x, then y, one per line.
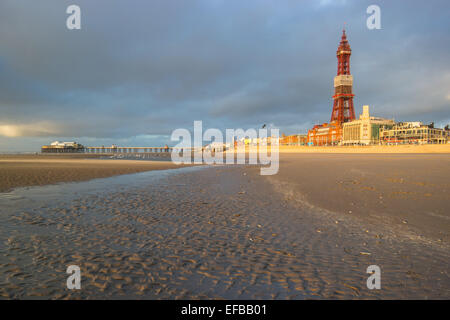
pixel 326 134
pixel 413 133
pixel 294 140
pixel 365 130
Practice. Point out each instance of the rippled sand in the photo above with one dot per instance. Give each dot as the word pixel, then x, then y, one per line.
pixel 220 232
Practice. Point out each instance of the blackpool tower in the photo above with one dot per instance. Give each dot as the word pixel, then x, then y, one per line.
pixel 343 96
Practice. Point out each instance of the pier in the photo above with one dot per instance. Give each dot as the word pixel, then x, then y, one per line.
pixel 134 150
pixel 115 150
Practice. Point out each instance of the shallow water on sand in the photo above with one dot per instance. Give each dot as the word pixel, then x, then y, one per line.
pixel 198 232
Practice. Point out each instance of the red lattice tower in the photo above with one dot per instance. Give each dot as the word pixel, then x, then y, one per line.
pixel 343 110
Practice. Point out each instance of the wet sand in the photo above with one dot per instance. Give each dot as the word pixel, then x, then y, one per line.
pixel 408 193
pixel 30 170
pixel 222 232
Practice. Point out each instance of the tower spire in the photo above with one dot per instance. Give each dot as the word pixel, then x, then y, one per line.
pixel 343 97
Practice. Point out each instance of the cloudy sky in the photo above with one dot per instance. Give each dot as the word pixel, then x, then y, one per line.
pixel 137 70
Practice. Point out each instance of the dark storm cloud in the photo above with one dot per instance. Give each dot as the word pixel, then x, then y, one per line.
pixel 147 67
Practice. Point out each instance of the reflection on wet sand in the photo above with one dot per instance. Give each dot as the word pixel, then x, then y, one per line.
pixel 198 233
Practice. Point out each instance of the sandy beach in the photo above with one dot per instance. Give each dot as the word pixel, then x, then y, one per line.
pixel 30 170
pixel 408 192
pixel 405 191
pixel 226 232
pixel 221 232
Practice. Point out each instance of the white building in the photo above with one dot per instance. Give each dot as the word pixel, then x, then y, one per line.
pixel 365 130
